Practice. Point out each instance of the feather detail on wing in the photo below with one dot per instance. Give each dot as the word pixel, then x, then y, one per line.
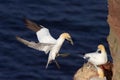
pixel 42 33
pixel 38 46
pixel 32 26
pixel 44 36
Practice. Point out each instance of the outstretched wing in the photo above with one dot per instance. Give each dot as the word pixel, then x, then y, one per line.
pixel 38 46
pixel 42 33
pixel 32 26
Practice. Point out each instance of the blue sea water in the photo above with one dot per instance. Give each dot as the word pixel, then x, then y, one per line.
pixel 85 20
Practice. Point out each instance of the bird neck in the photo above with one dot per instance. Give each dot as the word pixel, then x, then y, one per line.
pixel 60 41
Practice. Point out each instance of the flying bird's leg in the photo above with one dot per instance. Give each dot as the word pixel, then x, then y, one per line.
pixel 58 54
pixel 57 64
pixel 63 54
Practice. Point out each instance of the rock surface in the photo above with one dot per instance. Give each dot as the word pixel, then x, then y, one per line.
pixel 86 72
pixel 114 36
pixel 91 73
pixel 114 45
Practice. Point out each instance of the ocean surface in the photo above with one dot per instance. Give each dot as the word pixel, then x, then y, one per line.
pixel 85 20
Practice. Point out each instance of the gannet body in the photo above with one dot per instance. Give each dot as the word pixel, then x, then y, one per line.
pixel 46 42
pixel 55 49
pixel 97 58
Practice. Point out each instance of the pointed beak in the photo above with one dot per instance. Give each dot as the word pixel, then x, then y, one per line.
pixel 71 41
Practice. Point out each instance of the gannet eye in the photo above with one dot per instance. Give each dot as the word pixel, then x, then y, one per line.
pixel 99 51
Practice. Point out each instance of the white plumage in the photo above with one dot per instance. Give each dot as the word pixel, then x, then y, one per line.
pixel 99 57
pixel 46 42
pixel 44 36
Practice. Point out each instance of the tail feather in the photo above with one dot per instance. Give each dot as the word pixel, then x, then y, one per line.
pixel 47 64
pixel 58 66
pixel 32 26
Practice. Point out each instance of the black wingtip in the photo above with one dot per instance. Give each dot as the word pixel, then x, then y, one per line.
pixel 31 25
pixel 26 20
pixel 18 38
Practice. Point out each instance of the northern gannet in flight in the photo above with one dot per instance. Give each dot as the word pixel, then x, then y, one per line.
pixel 46 43
pixel 97 58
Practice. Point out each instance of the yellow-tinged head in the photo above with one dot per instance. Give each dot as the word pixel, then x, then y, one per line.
pixel 101 47
pixel 67 37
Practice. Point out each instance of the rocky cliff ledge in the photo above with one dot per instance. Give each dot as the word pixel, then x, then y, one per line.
pixel 114 45
pixel 114 36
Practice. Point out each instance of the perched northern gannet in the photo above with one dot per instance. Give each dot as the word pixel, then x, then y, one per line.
pixel 46 42
pixel 97 58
